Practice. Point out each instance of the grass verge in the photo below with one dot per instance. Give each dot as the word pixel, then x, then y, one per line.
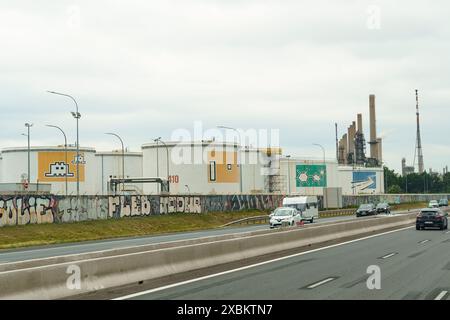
pixel 44 234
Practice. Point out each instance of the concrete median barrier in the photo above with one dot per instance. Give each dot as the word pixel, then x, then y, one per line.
pixel 54 278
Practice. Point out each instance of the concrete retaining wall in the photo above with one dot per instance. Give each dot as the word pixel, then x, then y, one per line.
pixel 50 278
pixel 36 209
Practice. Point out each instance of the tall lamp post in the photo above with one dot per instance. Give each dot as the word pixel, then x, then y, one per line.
pixel 240 164
pixel 28 126
pixel 167 163
pixel 66 171
pixel 77 116
pixel 123 157
pixel 289 173
pixel 157 160
pixel 325 173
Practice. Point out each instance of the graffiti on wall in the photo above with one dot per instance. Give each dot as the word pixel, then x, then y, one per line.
pixel 240 202
pixel 130 206
pixel 188 204
pixel 71 209
pixel 21 210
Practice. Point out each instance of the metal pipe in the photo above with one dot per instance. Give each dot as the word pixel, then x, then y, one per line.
pixel 167 164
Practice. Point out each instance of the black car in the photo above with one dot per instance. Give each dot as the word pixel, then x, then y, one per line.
pixel 383 208
pixel 431 218
pixel 366 210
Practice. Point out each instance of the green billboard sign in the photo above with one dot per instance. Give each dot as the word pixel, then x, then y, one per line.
pixel 311 175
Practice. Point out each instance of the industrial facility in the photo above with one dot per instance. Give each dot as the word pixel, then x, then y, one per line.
pixel 352 145
pixel 198 167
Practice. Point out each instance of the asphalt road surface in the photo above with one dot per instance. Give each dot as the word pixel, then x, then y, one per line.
pixel 29 253
pixel 413 265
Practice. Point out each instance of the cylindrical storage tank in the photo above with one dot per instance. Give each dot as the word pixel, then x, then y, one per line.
pixel 110 164
pixel 253 175
pixel 205 167
pixel 48 165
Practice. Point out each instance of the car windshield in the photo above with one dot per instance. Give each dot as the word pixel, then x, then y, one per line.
pixel 283 212
pixel 365 206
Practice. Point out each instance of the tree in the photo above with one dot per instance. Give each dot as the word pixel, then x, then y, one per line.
pixel 395 189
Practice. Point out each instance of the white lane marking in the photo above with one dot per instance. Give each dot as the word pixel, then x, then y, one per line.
pixel 254 265
pixel 315 285
pixel 424 241
pixel 389 255
pixel 441 295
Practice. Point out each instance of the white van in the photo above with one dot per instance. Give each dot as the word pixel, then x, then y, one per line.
pixel 307 205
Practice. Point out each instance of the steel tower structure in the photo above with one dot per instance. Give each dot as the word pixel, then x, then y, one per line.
pixel 418 150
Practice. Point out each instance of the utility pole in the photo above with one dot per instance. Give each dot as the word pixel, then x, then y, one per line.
pixel 28 126
pixel 66 171
pixel 123 157
pixel 77 116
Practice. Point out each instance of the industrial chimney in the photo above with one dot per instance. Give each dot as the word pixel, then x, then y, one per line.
pixel 360 127
pixel 374 153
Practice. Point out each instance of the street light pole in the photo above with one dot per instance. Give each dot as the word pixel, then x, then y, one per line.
pixel 65 152
pixel 123 158
pixel 77 116
pixel 325 173
pixel 28 126
pixel 157 159
pixel 240 164
pixel 289 173
pixel 167 163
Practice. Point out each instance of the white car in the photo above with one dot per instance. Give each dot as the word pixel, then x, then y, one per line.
pixel 433 204
pixel 286 216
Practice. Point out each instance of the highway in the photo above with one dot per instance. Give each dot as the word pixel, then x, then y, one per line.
pixel 413 264
pixel 29 253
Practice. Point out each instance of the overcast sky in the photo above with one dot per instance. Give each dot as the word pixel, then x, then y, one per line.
pixel 144 69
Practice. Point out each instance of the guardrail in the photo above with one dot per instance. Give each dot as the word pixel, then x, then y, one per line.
pixel 250 220
pixel 336 213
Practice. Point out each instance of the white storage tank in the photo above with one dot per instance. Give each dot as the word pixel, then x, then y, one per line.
pixel 204 167
pixel 49 165
pixel 110 164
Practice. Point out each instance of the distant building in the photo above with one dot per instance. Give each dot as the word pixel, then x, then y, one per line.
pixel 406 169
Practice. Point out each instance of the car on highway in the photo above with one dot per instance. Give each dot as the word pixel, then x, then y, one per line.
pixel 285 216
pixel 431 218
pixel 443 203
pixel 308 206
pixel 367 209
pixel 383 207
pixel 433 204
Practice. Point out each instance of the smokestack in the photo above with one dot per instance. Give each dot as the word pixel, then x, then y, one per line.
pixel 351 138
pixel 403 167
pixel 373 128
pixel 360 127
pixel 345 145
pixel 380 150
